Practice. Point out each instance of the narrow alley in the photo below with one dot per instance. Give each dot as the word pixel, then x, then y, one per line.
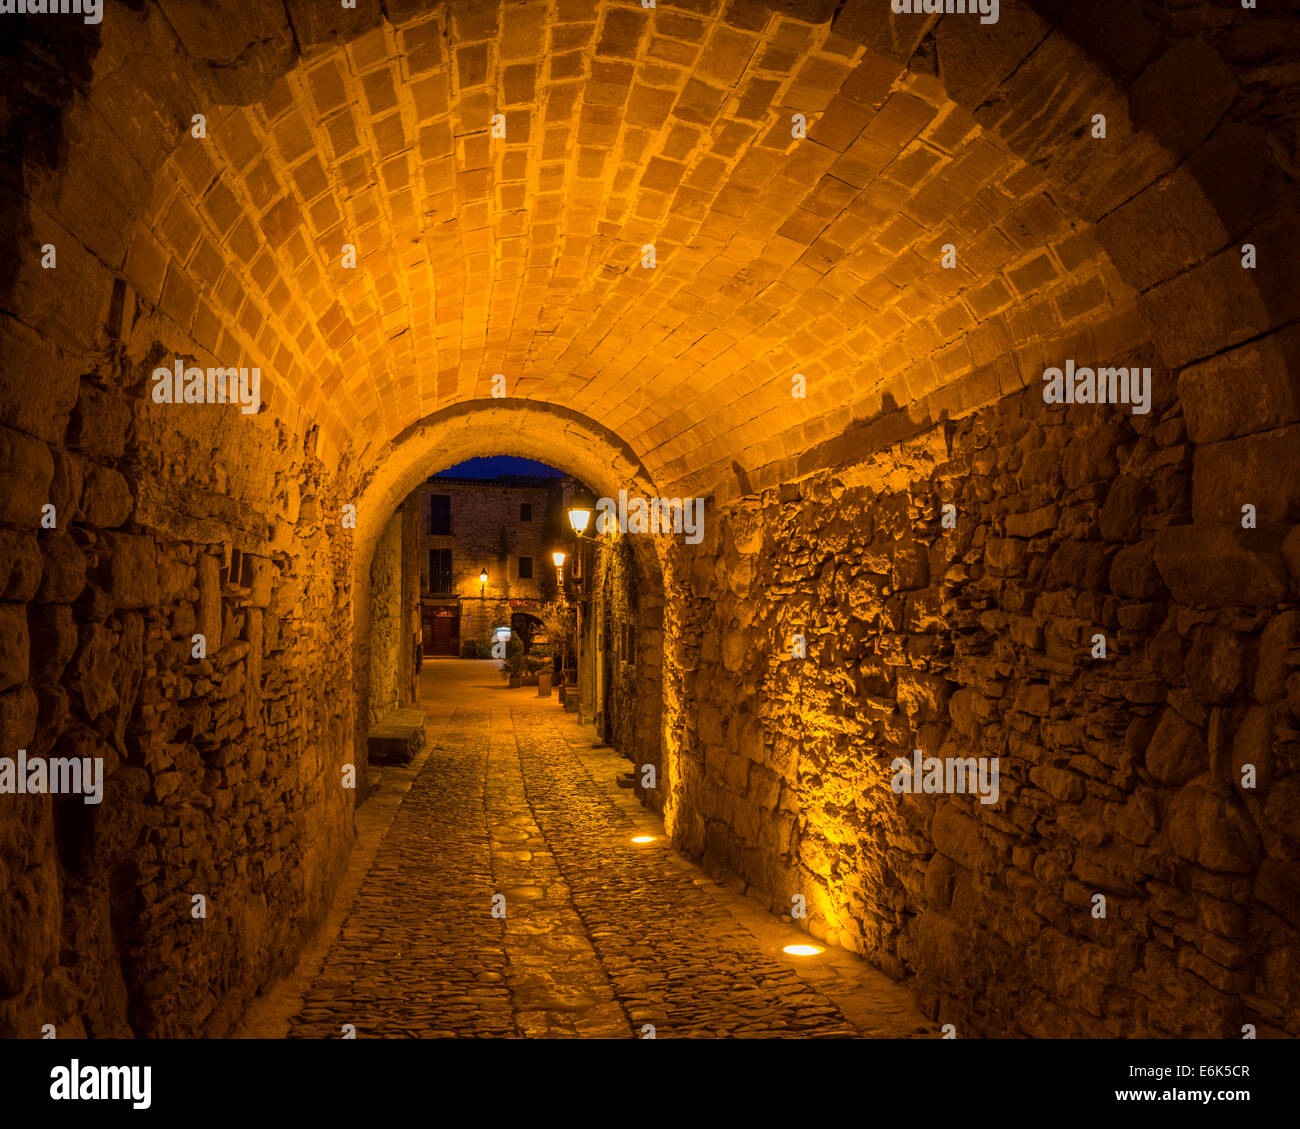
pixel 602 936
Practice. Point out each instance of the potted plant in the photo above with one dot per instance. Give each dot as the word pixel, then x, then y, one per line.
pixel 515 663
pixel 559 629
pixel 533 665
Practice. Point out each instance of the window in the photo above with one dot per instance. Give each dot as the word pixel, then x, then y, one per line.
pixel 525 511
pixel 525 568
pixel 440 513
pixel 439 570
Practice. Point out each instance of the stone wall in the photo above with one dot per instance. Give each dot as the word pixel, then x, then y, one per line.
pixel 412 656
pixel 389 625
pixel 626 700
pixel 613 581
pixel 222 756
pixel 1120 776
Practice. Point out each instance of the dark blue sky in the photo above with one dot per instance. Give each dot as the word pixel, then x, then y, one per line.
pixel 495 465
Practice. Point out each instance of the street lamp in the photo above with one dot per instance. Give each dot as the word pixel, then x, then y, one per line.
pixel 558 557
pixel 482 583
pixel 582 504
pixel 580 510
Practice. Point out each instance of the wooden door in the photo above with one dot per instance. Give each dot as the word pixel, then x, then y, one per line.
pixel 442 632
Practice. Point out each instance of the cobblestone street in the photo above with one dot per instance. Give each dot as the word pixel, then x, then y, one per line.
pixel 602 937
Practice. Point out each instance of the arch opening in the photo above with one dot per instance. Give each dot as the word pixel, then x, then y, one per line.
pixel 592 455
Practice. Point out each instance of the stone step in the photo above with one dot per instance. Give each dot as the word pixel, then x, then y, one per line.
pixel 397 737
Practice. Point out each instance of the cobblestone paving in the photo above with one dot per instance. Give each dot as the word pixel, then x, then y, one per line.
pixel 602 937
pixel 420 953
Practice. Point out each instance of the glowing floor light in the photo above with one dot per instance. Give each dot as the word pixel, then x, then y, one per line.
pixel 643 838
pixel 803 950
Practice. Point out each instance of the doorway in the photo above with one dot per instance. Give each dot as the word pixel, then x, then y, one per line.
pixel 442 631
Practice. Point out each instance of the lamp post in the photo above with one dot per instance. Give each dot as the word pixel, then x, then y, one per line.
pixel 581 506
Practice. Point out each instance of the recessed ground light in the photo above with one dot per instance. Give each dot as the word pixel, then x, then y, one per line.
pixel 643 838
pixel 803 950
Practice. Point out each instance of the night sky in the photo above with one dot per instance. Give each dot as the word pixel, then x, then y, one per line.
pixel 495 465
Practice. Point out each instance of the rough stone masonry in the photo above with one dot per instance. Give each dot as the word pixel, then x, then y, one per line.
pixel 808 261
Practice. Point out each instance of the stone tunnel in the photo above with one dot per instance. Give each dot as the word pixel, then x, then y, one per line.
pixel 974 333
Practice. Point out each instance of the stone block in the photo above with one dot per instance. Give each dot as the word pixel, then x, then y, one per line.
pixel 1133 573
pixel 399 737
pixel 1277 885
pixel 1247 389
pixel 922 696
pixel 26 473
pixel 1032 523
pixel 94 670
pixel 1078 564
pixel 209 600
pixel 105 497
pixel 1252 744
pixel 129 574
pixel 20 565
pixel 239 51
pixel 1230 183
pixel 1181 96
pixel 1261 470
pixel 1006 556
pixel 53 633
pixel 1217 304
pixel 875 26
pixel 958 836
pixel 317 25
pixel 1278 640
pixel 38 383
pixel 1211 831
pixel 1213 664
pixel 261 573
pixel 15 646
pixel 975 57
pixel 1063 784
pixel 64 570
pixel 1127 502
pixel 1204 565
pixel 19 709
pixel 1177 751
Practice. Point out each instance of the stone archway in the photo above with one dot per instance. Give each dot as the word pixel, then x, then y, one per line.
pixel 543 432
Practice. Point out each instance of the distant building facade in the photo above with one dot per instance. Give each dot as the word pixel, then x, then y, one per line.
pixel 507 527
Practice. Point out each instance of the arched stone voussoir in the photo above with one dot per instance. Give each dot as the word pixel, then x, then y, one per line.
pixel 532 429
pixel 247 47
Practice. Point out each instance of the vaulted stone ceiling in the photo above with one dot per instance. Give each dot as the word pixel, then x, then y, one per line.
pixel 522 255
